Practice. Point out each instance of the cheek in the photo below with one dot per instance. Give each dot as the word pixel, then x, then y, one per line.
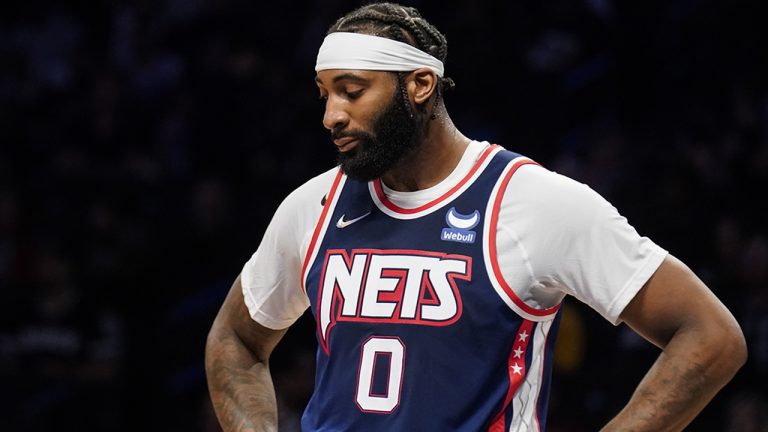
pixel 366 120
pixel 371 107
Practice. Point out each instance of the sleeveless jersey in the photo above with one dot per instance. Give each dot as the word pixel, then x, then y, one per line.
pixel 417 329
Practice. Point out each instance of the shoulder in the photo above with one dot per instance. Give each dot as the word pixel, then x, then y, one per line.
pixel 313 191
pixel 535 190
pixel 305 203
pixel 299 211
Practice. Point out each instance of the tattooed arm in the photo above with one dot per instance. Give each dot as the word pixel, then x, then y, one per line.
pixel 702 344
pixel 237 367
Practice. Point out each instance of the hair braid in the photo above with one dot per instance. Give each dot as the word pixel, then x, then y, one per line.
pixel 401 23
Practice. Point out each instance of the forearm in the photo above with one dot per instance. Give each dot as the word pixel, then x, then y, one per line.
pixel 686 376
pixel 240 386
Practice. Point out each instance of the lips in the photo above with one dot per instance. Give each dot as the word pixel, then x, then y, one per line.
pixel 346 144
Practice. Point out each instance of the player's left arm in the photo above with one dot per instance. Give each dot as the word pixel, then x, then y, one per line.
pixel 702 348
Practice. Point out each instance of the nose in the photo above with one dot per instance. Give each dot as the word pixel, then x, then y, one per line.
pixel 334 117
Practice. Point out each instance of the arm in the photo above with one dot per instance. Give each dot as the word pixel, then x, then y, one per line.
pixel 237 367
pixel 702 345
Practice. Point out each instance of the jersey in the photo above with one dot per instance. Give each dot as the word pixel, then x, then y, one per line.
pixel 414 326
pixel 442 315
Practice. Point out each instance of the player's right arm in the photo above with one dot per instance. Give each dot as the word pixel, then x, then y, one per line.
pixel 237 367
pixel 264 301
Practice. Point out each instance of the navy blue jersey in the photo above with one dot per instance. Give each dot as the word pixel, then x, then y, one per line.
pixel 416 328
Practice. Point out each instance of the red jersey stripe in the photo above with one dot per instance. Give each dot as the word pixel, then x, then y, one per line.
pixel 516 371
pixel 395 208
pixel 492 245
pixel 318 228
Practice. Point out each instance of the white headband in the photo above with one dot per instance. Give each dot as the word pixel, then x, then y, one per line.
pixel 341 50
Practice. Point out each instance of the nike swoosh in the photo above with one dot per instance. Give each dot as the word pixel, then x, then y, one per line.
pixel 341 223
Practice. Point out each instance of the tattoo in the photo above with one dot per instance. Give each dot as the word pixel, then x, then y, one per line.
pixel 674 389
pixel 687 385
pixel 241 388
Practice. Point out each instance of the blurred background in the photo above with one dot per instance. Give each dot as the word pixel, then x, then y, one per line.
pixel 144 146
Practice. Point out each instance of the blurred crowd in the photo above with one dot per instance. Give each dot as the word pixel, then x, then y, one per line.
pixel 144 146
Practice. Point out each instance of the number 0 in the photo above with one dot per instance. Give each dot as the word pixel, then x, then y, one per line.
pixel 375 351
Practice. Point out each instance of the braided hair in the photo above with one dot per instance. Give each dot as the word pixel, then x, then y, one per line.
pixel 403 24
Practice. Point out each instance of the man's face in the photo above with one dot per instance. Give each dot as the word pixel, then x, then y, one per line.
pixel 368 120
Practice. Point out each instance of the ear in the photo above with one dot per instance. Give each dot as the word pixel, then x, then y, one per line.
pixel 422 85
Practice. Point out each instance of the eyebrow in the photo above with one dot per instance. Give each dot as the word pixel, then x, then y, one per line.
pixel 345 76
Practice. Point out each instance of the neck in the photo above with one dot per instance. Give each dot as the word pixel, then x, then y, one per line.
pixel 434 159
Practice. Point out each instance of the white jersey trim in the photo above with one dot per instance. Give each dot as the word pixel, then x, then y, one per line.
pixel 525 401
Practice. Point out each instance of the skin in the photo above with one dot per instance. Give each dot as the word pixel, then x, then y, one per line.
pixel 353 98
pixel 237 367
pixel 702 348
pixel 702 344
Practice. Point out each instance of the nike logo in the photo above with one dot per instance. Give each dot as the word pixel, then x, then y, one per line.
pixel 341 223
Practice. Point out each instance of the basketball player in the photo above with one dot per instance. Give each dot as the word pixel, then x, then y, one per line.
pixel 435 266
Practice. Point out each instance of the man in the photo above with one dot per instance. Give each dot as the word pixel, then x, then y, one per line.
pixel 435 267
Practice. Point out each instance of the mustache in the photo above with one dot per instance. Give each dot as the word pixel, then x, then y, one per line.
pixel 357 134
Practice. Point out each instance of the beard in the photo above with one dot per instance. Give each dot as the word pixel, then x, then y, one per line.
pixel 392 137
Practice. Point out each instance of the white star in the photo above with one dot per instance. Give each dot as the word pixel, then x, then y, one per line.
pixel 523 336
pixel 518 352
pixel 516 369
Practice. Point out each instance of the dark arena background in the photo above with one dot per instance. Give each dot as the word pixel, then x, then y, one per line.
pixel 144 146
